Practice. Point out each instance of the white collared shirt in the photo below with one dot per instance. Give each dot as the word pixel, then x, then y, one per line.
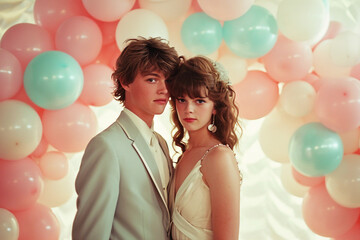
pixel 149 136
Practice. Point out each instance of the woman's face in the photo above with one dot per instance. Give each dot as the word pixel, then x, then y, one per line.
pixel 194 113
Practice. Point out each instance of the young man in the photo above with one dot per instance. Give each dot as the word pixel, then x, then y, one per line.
pixel 124 174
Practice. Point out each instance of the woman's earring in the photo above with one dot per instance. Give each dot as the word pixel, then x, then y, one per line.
pixel 212 128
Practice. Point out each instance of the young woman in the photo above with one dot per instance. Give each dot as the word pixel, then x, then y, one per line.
pixel 205 190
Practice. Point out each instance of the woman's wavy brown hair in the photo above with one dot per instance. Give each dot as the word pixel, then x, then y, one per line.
pixel 193 75
pixel 142 56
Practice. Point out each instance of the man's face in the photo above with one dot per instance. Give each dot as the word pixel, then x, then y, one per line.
pixel 147 95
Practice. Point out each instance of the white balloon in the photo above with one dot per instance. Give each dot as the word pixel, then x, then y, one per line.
pixel 289 182
pixel 345 49
pixel 235 67
pixel 169 10
pixel 140 23
pixel 9 226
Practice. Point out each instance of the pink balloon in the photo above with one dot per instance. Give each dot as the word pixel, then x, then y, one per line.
pixel 324 216
pixel 98 85
pixel 337 104
pixel 256 95
pixel 41 148
pixel 37 222
pixel 25 41
pixel 225 10
pixel 314 80
pixel 108 10
pixel 355 71
pixel 11 75
pixel 54 165
pixel 108 30
pixel 108 55
pixel 352 234
pixel 20 184
pixel 80 37
pixel 50 14
pixel 288 60
pixel 305 180
pixel 22 96
pixel 71 128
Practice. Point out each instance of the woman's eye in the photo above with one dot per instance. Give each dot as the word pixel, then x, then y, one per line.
pixel 180 100
pixel 200 101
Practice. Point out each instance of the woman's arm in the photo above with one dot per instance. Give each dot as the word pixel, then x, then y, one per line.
pixel 222 175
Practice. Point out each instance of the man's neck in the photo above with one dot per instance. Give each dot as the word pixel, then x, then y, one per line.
pixel 148 119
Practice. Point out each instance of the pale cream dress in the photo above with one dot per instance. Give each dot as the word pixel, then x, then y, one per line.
pixel 191 209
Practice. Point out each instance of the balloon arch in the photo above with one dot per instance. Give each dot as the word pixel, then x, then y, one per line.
pixel 294 64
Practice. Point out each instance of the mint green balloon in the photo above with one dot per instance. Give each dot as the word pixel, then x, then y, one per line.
pixel 251 35
pixel 53 80
pixel 315 150
pixel 201 34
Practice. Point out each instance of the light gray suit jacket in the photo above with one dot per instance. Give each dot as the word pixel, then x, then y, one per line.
pixel 119 187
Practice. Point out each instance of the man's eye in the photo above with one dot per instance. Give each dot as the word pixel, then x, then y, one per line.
pixel 152 80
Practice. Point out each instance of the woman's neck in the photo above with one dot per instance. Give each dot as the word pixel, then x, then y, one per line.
pixel 201 138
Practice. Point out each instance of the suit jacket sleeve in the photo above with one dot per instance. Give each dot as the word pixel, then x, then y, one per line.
pixel 97 186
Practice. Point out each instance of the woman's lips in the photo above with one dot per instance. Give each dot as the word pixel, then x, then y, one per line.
pixel 189 120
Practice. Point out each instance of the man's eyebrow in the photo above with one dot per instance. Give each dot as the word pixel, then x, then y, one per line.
pixel 151 74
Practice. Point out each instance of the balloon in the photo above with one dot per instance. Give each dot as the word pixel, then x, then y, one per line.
pixel 225 9
pixel 252 35
pixel 302 20
pixel 20 184
pixel 25 41
pixel 305 180
pixel 352 234
pixel 275 134
pixel 256 95
pixel 40 149
pixel 297 98
pixel 20 130
pixel 289 183
pixel 11 75
pixel 108 10
pixel 23 97
pixel 169 10
pixel 98 85
pixel 58 192
pixel 324 216
pixel 338 104
pixel 108 30
pixel 350 140
pixel 235 66
pixel 71 128
pixel 9 227
pixel 323 64
pixel 315 150
pixel 345 49
pixel 53 80
pixel 50 14
pixel 38 222
pixel 108 55
pixel 140 22
pixel 201 34
pixel 343 184
pixel 79 37
pixel 288 60
pixel 54 165
pixel 355 71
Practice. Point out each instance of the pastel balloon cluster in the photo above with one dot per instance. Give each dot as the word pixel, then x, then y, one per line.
pixel 290 62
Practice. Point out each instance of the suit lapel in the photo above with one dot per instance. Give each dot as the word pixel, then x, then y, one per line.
pixel 143 150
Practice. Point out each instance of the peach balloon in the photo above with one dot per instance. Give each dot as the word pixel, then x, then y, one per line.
pixel 20 184
pixel 23 97
pixel 20 130
pixel 50 14
pixel 338 104
pixel 54 165
pixel 70 129
pixel 25 41
pixel 289 183
pixel 256 95
pixel 288 60
pixel 275 134
pixel 169 10
pixel 225 10
pixel 11 75
pixel 9 227
pixel 79 37
pixel 352 234
pixel 343 184
pixel 350 140
pixel 355 71
pixel 98 85
pixel 108 55
pixel 108 30
pixel 324 216
pixel 334 28
pixel 108 10
pixel 40 149
pixel 38 222
pixel 140 22
pixel 305 180
pixel 58 192
pixel 235 67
